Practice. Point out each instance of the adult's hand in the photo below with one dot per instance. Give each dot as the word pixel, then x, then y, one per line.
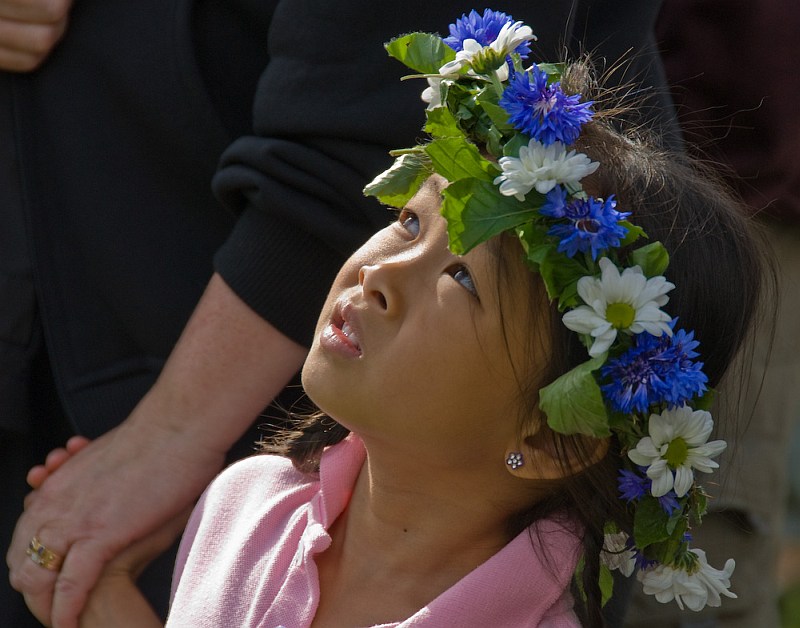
pixel 29 30
pixel 115 600
pixel 228 364
pixel 120 487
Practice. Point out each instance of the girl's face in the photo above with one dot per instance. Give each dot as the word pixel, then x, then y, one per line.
pixel 411 344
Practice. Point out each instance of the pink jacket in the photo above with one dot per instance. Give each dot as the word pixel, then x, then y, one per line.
pixel 247 556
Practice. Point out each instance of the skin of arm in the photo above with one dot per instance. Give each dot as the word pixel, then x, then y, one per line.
pixel 29 30
pixel 227 366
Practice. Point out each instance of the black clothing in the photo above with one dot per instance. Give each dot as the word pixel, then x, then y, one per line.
pixel 109 150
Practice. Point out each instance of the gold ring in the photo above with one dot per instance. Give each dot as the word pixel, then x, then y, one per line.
pixel 43 556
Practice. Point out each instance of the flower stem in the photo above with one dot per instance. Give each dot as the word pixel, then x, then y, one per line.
pixel 498 85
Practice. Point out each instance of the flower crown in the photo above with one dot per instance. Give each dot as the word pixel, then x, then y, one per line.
pixel 642 381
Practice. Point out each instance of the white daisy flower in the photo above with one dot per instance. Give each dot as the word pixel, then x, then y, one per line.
pixel 616 554
pixel 510 36
pixel 628 302
pixel 469 49
pixel 696 590
pixel 433 93
pixel 542 167
pixel 677 442
pixel 472 53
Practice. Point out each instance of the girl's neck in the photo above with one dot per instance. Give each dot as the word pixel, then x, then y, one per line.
pixel 407 536
pixel 397 511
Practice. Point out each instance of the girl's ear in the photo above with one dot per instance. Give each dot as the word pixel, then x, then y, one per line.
pixel 546 455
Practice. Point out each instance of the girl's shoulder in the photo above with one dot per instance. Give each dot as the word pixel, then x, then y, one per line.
pixel 259 475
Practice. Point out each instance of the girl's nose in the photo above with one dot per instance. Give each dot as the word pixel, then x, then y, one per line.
pixel 376 285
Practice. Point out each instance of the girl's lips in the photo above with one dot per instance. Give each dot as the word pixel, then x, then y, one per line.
pixel 341 334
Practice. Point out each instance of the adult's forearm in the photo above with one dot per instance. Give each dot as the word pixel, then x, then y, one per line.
pixel 226 367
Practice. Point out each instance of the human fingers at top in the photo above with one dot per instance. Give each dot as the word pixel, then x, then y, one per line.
pixel 38 474
pixel 29 30
pixel 120 488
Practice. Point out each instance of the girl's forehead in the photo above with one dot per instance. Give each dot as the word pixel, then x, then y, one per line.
pixel 429 196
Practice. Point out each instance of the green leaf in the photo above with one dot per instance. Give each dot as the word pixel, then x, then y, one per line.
pixel 706 401
pixel 516 61
pixel 397 185
pixel 535 243
pixel 511 149
pixel 423 52
pixel 553 70
pixel 698 503
pixel 442 123
pixel 634 233
pixel 559 273
pixel 606 584
pixel 606 581
pixel 475 212
pixel 676 526
pixel 574 404
pixel 455 158
pixel 497 114
pixel 652 258
pixel 494 141
pixel 460 98
pixel 649 522
pixel 578 576
pixel 677 517
pixel 627 432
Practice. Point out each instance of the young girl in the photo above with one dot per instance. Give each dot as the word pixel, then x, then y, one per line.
pixel 509 398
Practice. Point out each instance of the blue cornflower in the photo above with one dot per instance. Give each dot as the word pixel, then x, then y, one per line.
pixel 689 379
pixel 669 502
pixel 656 369
pixel 642 562
pixel 632 487
pixel 544 111
pixel 483 29
pixel 592 224
pixel 555 203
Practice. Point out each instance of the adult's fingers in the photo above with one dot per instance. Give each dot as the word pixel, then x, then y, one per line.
pixel 16 61
pixel 35 11
pixel 39 601
pixel 39 473
pixel 56 598
pixel 76 443
pixel 59 456
pixel 26 42
pixel 82 567
pixel 32 577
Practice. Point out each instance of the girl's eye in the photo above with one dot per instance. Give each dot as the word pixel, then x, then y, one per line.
pixel 461 274
pixel 409 221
